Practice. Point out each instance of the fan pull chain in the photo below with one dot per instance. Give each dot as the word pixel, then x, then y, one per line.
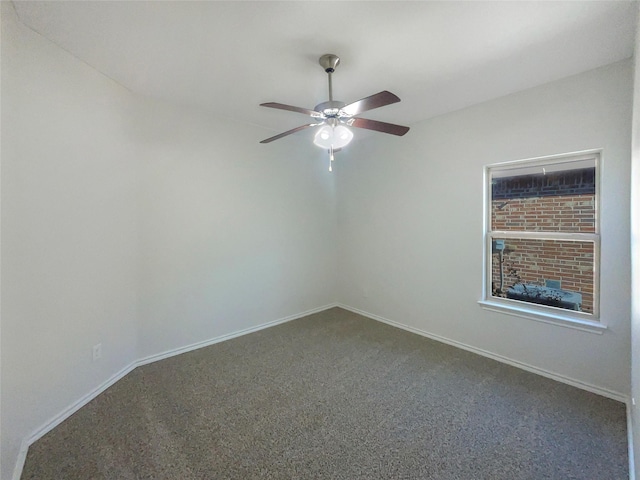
pixel 331 158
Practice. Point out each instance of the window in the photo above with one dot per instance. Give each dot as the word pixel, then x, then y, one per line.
pixel 542 237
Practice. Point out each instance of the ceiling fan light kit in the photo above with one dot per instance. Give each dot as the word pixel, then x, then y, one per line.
pixel 334 117
pixel 336 137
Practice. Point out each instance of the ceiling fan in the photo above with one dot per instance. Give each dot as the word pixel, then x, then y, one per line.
pixel 334 117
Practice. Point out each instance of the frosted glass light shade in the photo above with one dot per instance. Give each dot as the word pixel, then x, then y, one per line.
pixel 336 137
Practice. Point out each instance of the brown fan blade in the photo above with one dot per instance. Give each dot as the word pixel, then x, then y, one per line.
pixel 369 103
pixel 378 126
pixel 282 106
pixel 289 132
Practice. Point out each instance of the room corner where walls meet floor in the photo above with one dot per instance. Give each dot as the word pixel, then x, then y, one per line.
pixel 58 419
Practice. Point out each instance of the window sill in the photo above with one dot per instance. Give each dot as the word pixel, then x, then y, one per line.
pixel 552 318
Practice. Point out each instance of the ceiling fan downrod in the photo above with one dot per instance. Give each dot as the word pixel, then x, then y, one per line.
pixel 329 62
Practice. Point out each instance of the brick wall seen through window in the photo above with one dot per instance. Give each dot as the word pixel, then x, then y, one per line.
pixel 563 269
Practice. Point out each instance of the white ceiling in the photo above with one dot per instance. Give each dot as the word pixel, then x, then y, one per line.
pixel 229 57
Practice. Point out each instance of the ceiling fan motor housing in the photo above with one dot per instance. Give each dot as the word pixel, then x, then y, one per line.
pixel 330 109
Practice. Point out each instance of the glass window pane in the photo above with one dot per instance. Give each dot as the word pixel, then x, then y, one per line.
pixel 552 198
pixel 556 273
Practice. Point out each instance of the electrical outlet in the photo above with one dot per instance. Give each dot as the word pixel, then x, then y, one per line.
pixel 97 352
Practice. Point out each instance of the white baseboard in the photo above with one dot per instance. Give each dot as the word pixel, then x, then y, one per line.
pixel 55 421
pixel 545 373
pixel 73 408
pixel 22 457
pixel 515 363
pixel 229 336
pixel 62 416
pixel 632 466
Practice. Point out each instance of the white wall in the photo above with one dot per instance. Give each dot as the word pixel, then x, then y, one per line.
pixel 69 241
pixel 234 233
pixel 140 225
pixel 410 222
pixel 635 256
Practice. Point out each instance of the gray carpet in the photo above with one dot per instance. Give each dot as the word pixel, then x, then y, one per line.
pixel 336 396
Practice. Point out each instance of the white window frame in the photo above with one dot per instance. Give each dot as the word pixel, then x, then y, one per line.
pixel 548 314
